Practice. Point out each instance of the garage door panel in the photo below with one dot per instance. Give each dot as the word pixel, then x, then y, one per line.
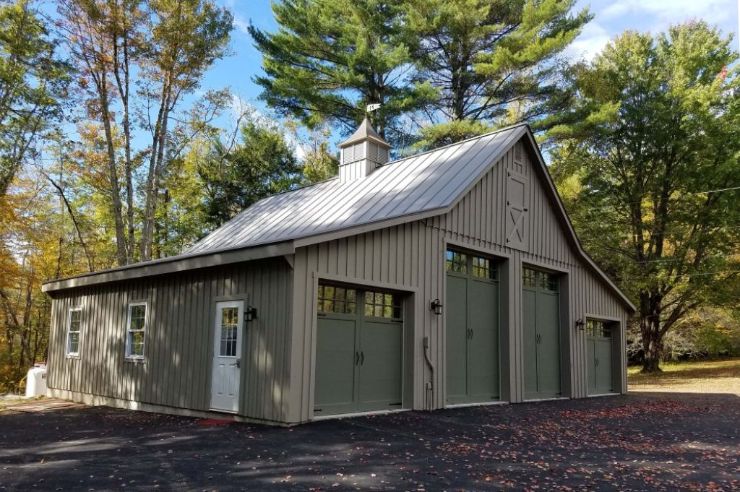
pixel 604 365
pixel 335 366
pixel 456 324
pixel 591 365
pixel 548 355
pixel 483 347
pixel 529 303
pixel 381 346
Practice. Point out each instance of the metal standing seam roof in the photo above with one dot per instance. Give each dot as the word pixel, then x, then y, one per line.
pixel 421 183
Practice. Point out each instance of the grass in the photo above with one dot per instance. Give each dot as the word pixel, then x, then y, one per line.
pixel 689 377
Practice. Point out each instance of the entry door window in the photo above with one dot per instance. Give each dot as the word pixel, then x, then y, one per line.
pixel 229 331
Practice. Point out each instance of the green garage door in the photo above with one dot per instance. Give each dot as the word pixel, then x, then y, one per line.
pixel 359 351
pixel 541 319
pixel 599 351
pixel 472 329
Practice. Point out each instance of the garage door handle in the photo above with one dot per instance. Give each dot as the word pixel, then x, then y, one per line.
pixel 596 362
pixel 362 358
pixel 357 358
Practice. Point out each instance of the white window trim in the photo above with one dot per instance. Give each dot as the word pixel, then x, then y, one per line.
pixel 79 336
pixel 128 354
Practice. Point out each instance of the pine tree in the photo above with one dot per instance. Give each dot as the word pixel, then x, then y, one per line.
pixel 493 62
pixel 331 58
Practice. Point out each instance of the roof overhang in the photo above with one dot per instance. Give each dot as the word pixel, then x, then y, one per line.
pixel 172 264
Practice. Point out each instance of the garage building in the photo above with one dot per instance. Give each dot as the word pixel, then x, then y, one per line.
pixel 451 277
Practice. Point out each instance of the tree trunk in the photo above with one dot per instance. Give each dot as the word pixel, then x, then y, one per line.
pixel 650 328
pixel 115 189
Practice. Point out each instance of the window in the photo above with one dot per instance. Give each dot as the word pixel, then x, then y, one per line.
pixel 456 262
pixel 73 331
pixel 337 300
pixel 529 278
pixel 539 279
pixel 382 305
pixel 482 268
pixel 598 328
pixel 229 331
pixel 135 330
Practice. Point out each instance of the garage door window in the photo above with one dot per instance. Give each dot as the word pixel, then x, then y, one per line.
pixel 379 304
pixel 456 262
pixel 337 300
pixel 538 279
pixel 597 328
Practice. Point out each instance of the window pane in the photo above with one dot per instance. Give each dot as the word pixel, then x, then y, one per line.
pixel 336 299
pixel 456 262
pixel 138 316
pixel 137 343
pixel 74 320
pixel 74 342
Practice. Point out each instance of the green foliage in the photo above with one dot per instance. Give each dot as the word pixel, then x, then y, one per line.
pixel 33 81
pixel 261 164
pixel 655 127
pixel 492 62
pixel 330 58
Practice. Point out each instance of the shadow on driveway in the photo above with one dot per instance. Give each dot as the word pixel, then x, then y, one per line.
pixel 638 441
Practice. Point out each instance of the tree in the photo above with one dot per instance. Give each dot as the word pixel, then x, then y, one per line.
pixel 101 36
pixel 262 164
pixel 33 81
pixel 648 162
pixel 493 62
pixel 188 36
pixel 331 58
pixel 163 48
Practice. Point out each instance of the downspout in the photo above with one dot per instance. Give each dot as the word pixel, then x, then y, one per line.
pixel 430 383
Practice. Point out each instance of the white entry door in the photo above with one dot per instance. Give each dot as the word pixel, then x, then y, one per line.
pixel 227 355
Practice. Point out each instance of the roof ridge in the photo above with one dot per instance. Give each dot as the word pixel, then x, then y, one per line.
pixel 459 142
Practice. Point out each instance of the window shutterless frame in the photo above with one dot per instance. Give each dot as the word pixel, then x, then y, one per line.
pixel 136 326
pixel 74 325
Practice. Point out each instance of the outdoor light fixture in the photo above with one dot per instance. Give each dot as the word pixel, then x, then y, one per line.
pixel 251 313
pixel 580 324
pixel 436 306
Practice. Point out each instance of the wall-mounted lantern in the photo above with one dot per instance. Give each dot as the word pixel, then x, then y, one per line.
pixel 580 324
pixel 250 313
pixel 436 307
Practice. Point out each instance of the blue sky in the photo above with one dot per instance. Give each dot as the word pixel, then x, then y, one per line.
pixel 611 18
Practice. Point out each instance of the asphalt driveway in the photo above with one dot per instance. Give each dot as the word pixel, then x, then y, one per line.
pixel 635 442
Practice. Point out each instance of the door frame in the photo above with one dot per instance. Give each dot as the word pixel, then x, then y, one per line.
pixel 618 358
pixel 242 346
pixel 409 308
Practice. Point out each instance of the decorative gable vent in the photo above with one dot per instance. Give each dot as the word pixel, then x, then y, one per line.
pixel 517 213
pixel 362 153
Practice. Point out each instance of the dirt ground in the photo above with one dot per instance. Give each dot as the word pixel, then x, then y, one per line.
pixel 641 441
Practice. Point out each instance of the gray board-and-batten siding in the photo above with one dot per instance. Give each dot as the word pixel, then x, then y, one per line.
pixel 404 253
pixel 175 372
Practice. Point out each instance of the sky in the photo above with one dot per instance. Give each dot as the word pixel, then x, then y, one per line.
pixel 611 17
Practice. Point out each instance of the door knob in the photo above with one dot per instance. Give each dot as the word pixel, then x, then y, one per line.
pixel 238 363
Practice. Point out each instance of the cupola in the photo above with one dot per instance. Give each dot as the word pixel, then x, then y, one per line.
pixel 362 153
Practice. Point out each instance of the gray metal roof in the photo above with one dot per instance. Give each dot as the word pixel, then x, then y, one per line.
pixel 417 184
pixel 364 132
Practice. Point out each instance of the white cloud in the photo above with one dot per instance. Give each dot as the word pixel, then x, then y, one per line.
pixel 589 43
pixel 667 12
